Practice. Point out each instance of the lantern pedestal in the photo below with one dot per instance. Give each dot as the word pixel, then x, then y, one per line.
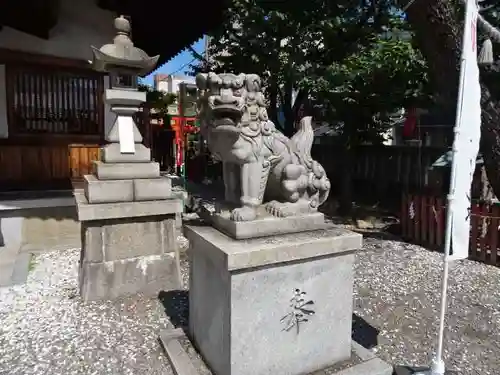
pixel 127 211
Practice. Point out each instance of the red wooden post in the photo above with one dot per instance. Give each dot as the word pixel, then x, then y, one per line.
pixel 146 125
pixel 475 211
pixel 410 205
pixel 440 225
pixel 483 235
pixel 493 233
pixel 418 219
pixel 404 216
pixel 432 221
pixel 424 227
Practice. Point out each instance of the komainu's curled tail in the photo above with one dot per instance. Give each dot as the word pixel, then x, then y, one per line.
pixel 318 185
pixel 304 138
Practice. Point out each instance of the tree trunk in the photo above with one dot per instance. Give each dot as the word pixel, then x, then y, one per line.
pixel 346 142
pixel 439 35
pixel 346 196
pixel 287 108
pixel 273 105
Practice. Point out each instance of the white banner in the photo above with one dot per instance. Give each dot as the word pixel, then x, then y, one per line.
pixel 467 136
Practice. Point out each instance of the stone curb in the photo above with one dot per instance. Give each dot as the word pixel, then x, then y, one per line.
pixel 182 365
pixel 19 270
pixel 179 359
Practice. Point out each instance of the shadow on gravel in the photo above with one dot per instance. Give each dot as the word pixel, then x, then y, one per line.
pixel 364 333
pixel 378 235
pixel 176 305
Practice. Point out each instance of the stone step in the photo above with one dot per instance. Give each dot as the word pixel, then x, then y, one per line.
pixel 16 272
pixel 5 274
pixel 21 269
pixel 126 171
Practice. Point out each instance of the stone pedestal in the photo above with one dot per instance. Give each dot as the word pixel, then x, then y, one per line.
pixel 127 248
pixel 127 211
pixel 128 215
pixel 247 296
pixel 264 225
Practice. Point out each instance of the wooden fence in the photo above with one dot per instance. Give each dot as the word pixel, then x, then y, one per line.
pixel 45 101
pixel 44 167
pixel 383 168
pixel 423 222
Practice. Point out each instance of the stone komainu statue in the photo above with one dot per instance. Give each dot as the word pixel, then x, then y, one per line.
pixel 260 164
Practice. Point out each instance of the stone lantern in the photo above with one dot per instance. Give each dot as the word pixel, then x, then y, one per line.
pixel 124 63
pixel 127 210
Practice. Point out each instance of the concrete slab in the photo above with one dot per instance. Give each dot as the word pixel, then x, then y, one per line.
pixel 16 272
pixel 8 254
pixel 21 269
pixel 6 274
pixel 10 230
pixel 182 364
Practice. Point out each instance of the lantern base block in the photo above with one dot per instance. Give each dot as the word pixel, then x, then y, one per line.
pixel 126 171
pixel 109 191
pixel 111 154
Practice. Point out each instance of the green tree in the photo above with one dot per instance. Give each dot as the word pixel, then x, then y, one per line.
pixel 364 89
pixel 285 42
pixel 346 56
pixel 158 100
pixel 438 26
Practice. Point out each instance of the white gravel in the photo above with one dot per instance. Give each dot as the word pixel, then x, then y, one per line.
pixel 398 292
pixel 45 329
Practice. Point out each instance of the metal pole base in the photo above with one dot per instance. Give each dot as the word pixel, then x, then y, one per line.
pixel 437 368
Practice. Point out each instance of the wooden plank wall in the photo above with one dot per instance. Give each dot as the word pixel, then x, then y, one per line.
pixel 81 158
pixel 423 219
pixel 47 101
pixel 385 167
pixel 30 167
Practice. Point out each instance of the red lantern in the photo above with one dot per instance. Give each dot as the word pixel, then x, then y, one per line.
pixel 410 123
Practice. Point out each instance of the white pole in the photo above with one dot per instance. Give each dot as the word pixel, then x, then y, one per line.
pixel 438 366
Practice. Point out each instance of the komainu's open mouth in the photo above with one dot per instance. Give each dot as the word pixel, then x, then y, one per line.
pixel 226 115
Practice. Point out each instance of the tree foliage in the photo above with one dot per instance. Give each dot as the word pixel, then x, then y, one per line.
pixel 336 53
pixel 438 26
pixel 365 88
pixel 158 100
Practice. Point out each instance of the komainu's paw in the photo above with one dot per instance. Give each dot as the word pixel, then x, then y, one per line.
pixel 244 213
pixel 287 209
pixel 279 209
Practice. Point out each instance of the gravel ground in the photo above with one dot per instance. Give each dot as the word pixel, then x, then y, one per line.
pixel 45 329
pixel 397 292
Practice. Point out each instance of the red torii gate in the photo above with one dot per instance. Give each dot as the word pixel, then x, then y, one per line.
pixel 181 128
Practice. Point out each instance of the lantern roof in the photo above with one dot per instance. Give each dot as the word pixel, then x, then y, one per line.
pixel 122 54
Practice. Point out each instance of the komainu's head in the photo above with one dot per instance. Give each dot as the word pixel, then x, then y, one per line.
pixel 232 103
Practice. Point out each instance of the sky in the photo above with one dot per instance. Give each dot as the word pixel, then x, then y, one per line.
pixel 179 64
